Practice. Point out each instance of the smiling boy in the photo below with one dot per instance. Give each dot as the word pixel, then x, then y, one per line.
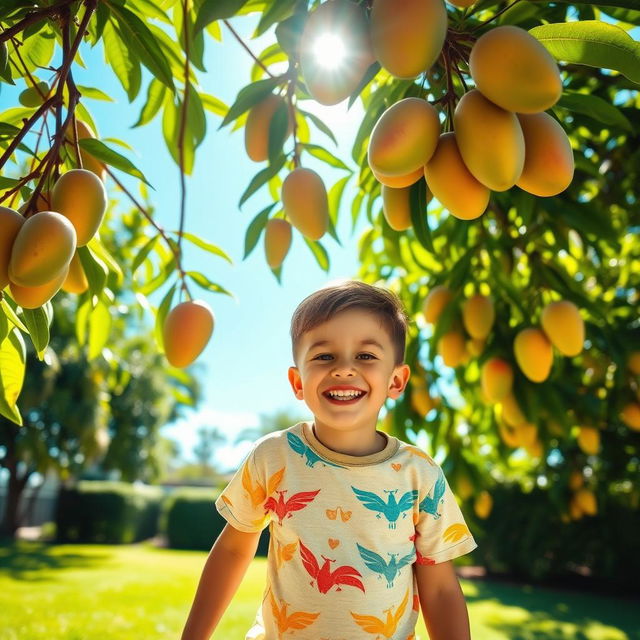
pixel 363 525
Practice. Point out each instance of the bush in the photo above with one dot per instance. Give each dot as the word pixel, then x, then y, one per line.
pixel 107 512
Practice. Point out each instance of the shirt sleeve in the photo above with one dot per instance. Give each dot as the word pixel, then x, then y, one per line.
pixel 441 532
pixel 241 502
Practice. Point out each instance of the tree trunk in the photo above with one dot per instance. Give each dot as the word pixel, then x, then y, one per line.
pixel 15 487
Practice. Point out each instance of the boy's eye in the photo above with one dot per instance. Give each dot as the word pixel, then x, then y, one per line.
pixel 322 355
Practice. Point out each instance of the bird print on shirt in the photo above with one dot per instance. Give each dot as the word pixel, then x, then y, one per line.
pixel 257 492
pixel 325 578
pixel 383 628
pixel 306 452
pixel 296 620
pixel 389 570
pixel 392 508
pixel 285 509
pixel 430 503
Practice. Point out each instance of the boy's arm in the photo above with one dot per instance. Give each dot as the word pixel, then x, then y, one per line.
pixel 442 602
pixel 222 573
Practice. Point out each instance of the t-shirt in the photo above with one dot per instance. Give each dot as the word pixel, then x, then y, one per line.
pixel 345 532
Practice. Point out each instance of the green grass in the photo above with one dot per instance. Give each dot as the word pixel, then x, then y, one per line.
pixel 93 592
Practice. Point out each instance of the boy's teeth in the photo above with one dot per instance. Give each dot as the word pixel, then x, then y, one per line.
pixel 345 394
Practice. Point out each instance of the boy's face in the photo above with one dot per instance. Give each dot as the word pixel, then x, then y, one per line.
pixel 346 360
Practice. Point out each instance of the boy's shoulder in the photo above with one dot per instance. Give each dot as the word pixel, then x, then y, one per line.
pixel 278 439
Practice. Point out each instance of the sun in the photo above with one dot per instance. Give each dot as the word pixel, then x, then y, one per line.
pixel 329 51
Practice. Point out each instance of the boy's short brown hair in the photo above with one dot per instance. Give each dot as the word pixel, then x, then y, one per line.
pixel 321 305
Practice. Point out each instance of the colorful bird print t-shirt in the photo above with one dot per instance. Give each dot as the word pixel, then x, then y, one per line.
pixel 345 533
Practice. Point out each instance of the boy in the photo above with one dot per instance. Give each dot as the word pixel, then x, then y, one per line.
pixel 363 526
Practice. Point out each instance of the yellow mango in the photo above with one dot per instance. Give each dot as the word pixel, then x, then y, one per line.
pixel 407 40
pixel 435 302
pixel 478 315
pixel 346 21
pixel 398 182
pixel 76 280
pixel 452 348
pixel 42 249
pixel 421 401
pixel 256 129
pixel 564 326
pixel 277 241
pixel 575 512
pixel 89 162
pixel 34 297
pixel 10 223
pixel 80 196
pixel 634 362
pixel 630 415
pixel 534 354
pixel 527 434
pixel 186 331
pixel 404 138
pixel 589 440
pixel 587 502
pixel 305 202
pixel 511 411
pixel 548 158
pixel 496 378
pixel 483 504
pixel 475 347
pixel 396 207
pixel 508 435
pixel 490 141
pixel 452 184
pixel 514 70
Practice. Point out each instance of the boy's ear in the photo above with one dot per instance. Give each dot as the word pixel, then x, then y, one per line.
pixel 399 381
pixel 296 382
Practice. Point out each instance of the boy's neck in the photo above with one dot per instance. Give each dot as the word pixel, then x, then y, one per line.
pixel 351 443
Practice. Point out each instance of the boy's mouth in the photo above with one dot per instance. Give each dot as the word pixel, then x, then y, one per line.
pixel 349 398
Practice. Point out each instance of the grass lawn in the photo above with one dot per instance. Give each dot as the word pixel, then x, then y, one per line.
pixel 93 592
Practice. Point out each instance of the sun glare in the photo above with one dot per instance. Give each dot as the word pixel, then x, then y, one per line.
pixel 329 50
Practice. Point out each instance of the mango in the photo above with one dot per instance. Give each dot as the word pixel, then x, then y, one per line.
pixel 534 354
pixel 576 480
pixel 10 223
pixel 508 435
pixel 43 203
pixel 421 401
pixel 435 302
pixel 514 70
pixel 633 363
pixel 535 449
pixel 404 138
pixel 527 435
pixel 33 97
pixel 496 379
pixel 475 347
pixel 42 249
pixel 346 21
pixel 407 40
pixel 451 348
pixel 564 326
pixel 277 241
pixel 89 162
pixel 490 141
pixel 461 4
pixel 587 502
pixel 256 130
pixel 186 331
pixel 76 280
pixel 630 415
pixel 483 504
pixel 575 512
pixel 305 202
pixel 452 184
pixel 589 440
pixel 80 196
pixel 548 158
pixel 478 315
pixel 398 182
pixel 396 207
pixel 34 297
pixel 511 411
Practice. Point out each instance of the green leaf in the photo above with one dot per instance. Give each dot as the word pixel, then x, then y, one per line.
pixel 278 131
pixel 99 329
pixel 419 219
pixel 319 253
pixel 203 244
pixel 8 183
pixel 202 280
pixel 369 75
pixel 326 156
pixel 37 322
pixel 196 120
pixel 101 151
pixel 100 251
pixel 592 43
pixel 95 270
pixel 12 316
pixel 213 104
pixel 143 253
pixel 255 229
pixel 161 314
pixel 335 196
pixel 212 10
pixel 249 96
pixel 276 11
pixel 319 124
pixel 124 62
pixel 594 107
pixel 155 97
pixel 4 327
pixel 13 356
pixel 165 271
pixel 261 178
pixel 148 8
pixel 95 94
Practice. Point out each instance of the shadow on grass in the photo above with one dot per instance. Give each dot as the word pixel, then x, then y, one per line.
pixel 23 560
pixel 556 614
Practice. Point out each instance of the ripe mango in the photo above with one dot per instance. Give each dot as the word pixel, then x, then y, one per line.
pixel 89 162
pixel 396 207
pixel 305 202
pixel 451 347
pixel 514 70
pixel 421 401
pixel 587 502
pixel 534 354
pixel 80 196
pixel 398 182
pixel 548 158
pixel 42 249
pixel 589 440
pixel 511 411
pixel 478 315
pixel 452 183
pixel 490 141
pixel 10 223
pixel 483 504
pixel 34 96
pixel 277 241
pixel 407 40
pixel 76 280
pixel 404 138
pixel 186 331
pixel 564 326
pixel 34 297
pixel 475 347
pixel 527 434
pixel 634 362
pixel 256 129
pixel 347 21
pixel 508 435
pixel 496 379
pixel 630 415
pixel 435 302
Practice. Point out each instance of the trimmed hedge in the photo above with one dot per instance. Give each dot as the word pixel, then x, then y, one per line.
pixel 107 512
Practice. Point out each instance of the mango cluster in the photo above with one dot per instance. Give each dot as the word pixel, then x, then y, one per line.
pixel 38 254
